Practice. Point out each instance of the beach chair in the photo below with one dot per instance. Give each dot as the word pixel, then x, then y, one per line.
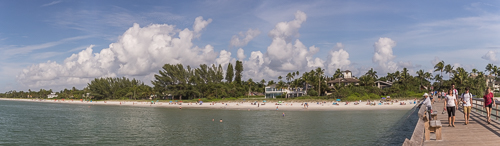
pixel 379 103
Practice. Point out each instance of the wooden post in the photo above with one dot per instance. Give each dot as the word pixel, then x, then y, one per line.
pixel 496 107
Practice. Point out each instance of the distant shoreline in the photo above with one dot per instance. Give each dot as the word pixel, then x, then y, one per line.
pixel 285 106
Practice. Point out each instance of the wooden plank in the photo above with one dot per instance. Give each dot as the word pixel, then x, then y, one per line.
pixel 477 132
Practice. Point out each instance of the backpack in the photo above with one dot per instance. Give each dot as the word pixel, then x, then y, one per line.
pixel 470 96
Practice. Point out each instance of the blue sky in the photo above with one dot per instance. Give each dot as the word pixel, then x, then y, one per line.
pixel 58 44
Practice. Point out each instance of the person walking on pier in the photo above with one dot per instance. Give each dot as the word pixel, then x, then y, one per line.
pixel 428 104
pixel 466 100
pixel 489 102
pixel 450 103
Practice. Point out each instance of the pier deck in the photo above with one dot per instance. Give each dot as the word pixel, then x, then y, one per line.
pixel 477 132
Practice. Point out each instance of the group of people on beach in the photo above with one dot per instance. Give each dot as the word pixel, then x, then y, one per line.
pixel 451 103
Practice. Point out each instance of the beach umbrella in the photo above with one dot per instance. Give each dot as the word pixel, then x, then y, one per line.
pixel 338 99
pixel 170 101
pixel 264 101
pixel 383 97
pixel 201 101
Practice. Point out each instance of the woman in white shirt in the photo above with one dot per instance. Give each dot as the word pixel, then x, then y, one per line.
pixel 450 103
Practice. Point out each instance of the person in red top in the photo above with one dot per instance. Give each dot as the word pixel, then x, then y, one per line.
pixel 489 102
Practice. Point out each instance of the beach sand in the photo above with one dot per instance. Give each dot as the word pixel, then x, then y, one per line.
pixel 286 106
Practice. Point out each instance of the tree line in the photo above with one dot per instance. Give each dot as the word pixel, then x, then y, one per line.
pixel 176 81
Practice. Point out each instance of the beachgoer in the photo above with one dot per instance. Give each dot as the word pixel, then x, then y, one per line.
pixel 180 107
pixel 428 103
pixel 450 103
pixel 221 120
pixel 276 107
pixel 455 91
pixel 489 102
pixel 466 100
pixel 283 114
pixel 213 119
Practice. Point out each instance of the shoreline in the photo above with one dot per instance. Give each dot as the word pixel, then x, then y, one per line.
pixel 285 106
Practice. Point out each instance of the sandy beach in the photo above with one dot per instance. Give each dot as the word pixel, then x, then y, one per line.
pixel 243 105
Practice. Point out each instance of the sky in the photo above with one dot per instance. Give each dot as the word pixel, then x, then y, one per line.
pixel 66 43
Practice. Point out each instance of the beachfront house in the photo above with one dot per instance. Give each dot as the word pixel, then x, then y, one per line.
pixel 383 84
pixel 52 95
pixel 490 82
pixel 273 92
pixel 496 87
pixel 345 79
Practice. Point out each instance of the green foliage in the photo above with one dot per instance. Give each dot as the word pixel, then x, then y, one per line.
pixel 117 88
pixel 312 93
pixel 229 73
pixel 239 70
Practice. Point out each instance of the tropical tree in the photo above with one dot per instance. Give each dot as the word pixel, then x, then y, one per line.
pixel 421 76
pixel 439 67
pixel 319 74
pixel 371 73
pixel 366 80
pixel 449 69
pixel 489 68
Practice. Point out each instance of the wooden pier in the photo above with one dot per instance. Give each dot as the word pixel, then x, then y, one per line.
pixel 477 132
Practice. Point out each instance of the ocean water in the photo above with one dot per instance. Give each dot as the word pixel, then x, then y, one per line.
pixel 33 123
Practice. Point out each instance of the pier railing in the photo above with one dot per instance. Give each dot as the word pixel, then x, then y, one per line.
pixel 478 105
pixel 417 138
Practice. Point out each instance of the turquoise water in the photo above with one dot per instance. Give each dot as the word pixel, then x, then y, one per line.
pixel 32 123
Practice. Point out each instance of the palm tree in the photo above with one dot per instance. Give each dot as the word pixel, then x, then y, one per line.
pixel 250 83
pixel 428 76
pixel 372 73
pixel 439 67
pixel 319 74
pixel 289 77
pixel 474 72
pixel 397 76
pixel 438 78
pixel 281 85
pixel 489 68
pixel 366 80
pixel 279 78
pixel 420 75
pixel 390 77
pixel 449 69
pixel 404 74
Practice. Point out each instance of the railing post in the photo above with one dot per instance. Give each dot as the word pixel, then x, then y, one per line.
pixel 476 104
pixel 496 107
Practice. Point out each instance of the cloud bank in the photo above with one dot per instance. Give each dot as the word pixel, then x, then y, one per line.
pixel 139 52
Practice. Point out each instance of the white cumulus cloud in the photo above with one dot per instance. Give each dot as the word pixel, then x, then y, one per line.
pixel 242 39
pixel 491 56
pixel 383 55
pixel 288 55
pixel 139 52
pixel 338 59
pixel 241 54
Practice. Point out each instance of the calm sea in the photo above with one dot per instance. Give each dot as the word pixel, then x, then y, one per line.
pixel 32 123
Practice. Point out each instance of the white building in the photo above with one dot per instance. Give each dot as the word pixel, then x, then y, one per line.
pixel 51 95
pixel 273 92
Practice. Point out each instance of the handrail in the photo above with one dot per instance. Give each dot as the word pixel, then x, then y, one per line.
pixel 482 107
pixel 417 138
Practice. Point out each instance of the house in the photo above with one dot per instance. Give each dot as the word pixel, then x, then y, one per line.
pixel 273 92
pixel 382 84
pixel 496 87
pixel 51 95
pixel 347 79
